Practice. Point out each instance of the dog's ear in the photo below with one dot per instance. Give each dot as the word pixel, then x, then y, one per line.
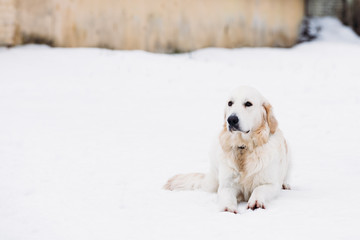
pixel 270 118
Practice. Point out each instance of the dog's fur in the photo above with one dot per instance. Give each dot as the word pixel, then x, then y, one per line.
pixel 249 163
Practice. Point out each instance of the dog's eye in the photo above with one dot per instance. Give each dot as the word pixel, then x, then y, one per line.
pixel 248 104
pixel 230 103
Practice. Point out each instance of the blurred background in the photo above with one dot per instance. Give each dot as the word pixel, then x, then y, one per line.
pixel 167 26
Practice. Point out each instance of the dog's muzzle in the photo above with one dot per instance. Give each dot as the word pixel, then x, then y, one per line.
pixel 233 124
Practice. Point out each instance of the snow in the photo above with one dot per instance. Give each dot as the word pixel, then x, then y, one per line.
pixel 333 31
pixel 89 136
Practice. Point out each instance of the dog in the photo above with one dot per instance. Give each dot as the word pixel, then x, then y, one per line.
pixel 250 159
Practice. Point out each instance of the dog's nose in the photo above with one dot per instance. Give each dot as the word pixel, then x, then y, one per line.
pixel 233 120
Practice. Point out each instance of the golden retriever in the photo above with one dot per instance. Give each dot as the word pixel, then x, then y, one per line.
pixel 250 159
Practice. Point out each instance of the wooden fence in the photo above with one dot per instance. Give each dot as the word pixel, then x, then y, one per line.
pixel 152 25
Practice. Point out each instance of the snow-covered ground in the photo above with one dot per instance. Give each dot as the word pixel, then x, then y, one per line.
pixel 88 137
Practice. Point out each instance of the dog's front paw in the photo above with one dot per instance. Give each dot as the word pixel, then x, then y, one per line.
pixel 255 203
pixel 286 186
pixel 232 209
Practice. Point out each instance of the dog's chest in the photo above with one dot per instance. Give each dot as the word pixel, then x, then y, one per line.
pixel 240 157
pixel 247 166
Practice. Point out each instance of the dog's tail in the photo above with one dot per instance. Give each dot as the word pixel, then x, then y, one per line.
pixel 191 181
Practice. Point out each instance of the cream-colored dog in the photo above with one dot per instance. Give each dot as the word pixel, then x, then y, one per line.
pixel 250 158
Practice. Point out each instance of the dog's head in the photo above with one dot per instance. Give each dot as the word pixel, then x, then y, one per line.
pixel 247 111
